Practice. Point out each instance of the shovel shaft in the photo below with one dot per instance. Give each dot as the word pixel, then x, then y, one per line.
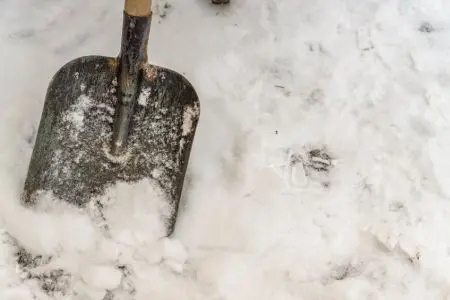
pixel 133 55
pixel 138 8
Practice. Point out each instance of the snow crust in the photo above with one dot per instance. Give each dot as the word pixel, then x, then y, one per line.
pixel 319 168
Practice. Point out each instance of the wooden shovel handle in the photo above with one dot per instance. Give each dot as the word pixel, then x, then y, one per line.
pixel 138 8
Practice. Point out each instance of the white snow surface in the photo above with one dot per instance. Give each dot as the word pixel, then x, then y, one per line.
pixel 362 85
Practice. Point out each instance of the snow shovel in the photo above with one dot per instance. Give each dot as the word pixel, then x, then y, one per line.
pixel 109 119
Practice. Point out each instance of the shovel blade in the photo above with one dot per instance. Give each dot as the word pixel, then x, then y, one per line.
pixel 71 156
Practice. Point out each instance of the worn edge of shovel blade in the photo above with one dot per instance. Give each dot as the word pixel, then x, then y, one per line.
pixel 70 157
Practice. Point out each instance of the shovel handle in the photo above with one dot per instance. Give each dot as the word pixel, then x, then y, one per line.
pixel 138 8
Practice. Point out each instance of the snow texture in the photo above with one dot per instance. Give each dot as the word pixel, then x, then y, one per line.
pixel 319 168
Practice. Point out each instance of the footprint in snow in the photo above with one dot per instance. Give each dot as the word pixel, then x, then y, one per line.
pixel 317 164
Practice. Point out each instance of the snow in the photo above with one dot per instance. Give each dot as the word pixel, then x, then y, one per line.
pixel 143 96
pixel 75 115
pixel 319 168
pixel 102 277
pixel 188 116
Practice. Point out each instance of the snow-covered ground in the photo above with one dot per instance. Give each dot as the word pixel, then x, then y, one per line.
pixel 319 169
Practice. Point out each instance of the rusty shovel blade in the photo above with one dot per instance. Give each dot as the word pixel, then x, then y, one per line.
pixel 72 155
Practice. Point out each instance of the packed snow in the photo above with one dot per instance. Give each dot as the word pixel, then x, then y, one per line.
pixel 319 168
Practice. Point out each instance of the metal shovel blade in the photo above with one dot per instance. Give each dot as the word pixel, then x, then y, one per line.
pixel 72 157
